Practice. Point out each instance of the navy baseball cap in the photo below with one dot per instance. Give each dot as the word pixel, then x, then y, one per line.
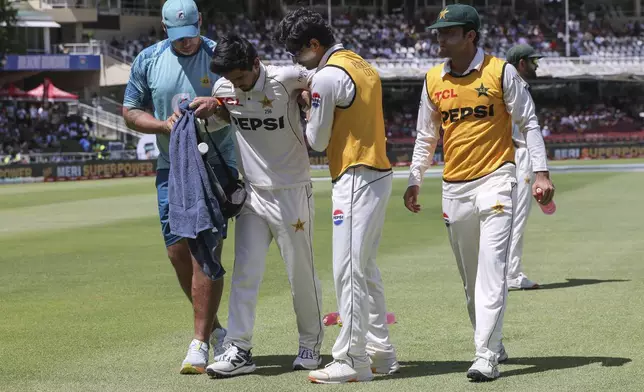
pixel 181 19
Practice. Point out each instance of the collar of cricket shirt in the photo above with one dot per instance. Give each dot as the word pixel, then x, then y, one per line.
pixel 476 64
pixel 328 54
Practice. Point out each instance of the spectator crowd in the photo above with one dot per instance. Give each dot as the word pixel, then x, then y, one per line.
pixel 569 115
pixel 584 120
pixel 36 127
pixel 391 36
pixel 29 127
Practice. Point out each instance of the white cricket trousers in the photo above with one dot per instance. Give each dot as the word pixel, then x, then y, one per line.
pixel 480 232
pixel 525 178
pixel 285 215
pixel 360 199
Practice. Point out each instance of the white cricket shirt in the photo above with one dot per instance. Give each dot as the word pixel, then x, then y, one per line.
pixel 270 138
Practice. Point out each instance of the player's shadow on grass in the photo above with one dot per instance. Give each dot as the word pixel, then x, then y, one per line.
pixel 578 282
pixel 414 369
pixel 274 365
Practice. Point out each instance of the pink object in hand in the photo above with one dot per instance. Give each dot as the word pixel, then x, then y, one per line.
pixel 331 319
pixel 549 208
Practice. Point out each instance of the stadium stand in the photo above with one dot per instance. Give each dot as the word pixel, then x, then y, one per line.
pixel 564 121
pixel 49 128
pixel 402 50
pixel 392 37
pixel 129 49
pixel 558 123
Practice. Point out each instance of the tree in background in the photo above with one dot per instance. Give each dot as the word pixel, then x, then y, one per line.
pixel 8 32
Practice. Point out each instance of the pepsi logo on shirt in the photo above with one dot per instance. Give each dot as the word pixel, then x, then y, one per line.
pixel 315 100
pixel 338 217
pixel 253 124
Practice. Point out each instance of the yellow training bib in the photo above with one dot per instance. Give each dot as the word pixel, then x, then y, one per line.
pixel 477 137
pixel 358 133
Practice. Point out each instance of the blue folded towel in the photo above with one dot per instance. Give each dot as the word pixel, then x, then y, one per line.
pixel 194 211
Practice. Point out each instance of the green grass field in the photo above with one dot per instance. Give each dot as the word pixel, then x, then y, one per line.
pixel 89 301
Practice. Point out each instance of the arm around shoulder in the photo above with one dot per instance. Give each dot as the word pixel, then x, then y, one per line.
pixel 324 99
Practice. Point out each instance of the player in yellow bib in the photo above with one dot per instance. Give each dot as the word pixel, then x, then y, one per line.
pixel 346 119
pixel 475 98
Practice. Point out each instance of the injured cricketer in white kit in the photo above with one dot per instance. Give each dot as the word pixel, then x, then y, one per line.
pixel 275 166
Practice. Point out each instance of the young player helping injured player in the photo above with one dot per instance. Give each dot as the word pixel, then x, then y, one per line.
pixel 476 98
pixel 346 119
pixel 262 104
pixel 524 59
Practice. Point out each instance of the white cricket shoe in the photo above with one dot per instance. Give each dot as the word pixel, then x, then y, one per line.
pixel 197 358
pixel 483 370
pixel 522 283
pixel 339 372
pixel 217 343
pixel 307 359
pixel 234 362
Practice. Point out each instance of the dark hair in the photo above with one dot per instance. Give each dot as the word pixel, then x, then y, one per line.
pixel 299 27
pixel 470 26
pixel 233 52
